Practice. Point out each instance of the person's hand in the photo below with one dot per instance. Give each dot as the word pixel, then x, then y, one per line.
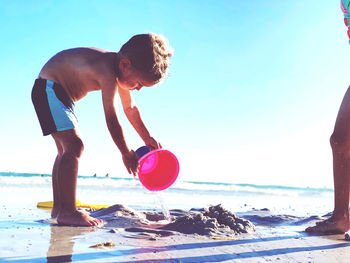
pixel 130 160
pixel 152 143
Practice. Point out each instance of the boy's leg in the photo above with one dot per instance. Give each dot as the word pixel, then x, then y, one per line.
pixel 66 168
pixel 340 142
pixel 56 195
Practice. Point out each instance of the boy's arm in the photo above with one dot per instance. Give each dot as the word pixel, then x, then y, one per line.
pixel 134 116
pixel 129 157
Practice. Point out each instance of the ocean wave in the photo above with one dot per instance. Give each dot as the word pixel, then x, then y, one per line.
pixel 250 188
pixel 14 180
pixel 83 181
pixel 21 179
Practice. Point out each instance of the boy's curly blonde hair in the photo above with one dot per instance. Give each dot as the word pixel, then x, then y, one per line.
pixel 149 54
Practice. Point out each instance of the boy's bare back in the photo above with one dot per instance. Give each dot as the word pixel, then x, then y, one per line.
pixel 81 70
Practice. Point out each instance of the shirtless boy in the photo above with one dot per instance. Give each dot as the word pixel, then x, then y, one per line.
pixel 68 77
pixel 339 222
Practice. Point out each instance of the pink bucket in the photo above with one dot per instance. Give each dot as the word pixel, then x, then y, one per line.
pixel 158 169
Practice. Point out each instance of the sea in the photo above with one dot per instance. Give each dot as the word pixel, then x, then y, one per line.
pixel 268 205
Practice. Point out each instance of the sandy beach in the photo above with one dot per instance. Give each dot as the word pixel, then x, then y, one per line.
pixel 135 230
pixel 44 241
pixel 66 244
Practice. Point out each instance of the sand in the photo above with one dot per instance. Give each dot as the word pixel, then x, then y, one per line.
pixel 134 236
pixel 212 221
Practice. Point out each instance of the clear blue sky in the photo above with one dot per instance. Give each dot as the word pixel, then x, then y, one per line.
pixel 254 90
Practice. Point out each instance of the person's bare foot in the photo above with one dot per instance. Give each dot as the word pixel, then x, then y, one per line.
pixel 55 211
pixel 77 218
pixel 330 226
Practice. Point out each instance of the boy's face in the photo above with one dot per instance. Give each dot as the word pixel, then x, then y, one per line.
pixel 133 81
pixel 130 79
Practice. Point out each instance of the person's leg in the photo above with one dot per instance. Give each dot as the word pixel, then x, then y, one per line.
pixel 340 142
pixel 67 173
pixel 56 195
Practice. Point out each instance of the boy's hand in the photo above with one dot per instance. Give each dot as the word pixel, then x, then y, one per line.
pixel 130 160
pixel 152 143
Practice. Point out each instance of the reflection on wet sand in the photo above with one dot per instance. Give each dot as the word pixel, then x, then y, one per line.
pixel 62 239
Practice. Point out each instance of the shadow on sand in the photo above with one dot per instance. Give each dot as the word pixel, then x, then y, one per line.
pixel 117 255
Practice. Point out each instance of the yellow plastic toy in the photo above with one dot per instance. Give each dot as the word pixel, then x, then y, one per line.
pixel 49 204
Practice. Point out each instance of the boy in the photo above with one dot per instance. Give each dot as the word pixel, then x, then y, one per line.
pixel 68 77
pixel 339 222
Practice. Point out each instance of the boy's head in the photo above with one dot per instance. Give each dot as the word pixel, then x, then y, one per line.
pixel 149 56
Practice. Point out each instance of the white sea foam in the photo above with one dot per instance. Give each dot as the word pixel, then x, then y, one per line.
pixel 250 189
pixel 23 181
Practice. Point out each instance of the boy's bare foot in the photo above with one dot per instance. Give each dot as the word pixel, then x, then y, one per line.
pixel 77 218
pixel 55 212
pixel 330 226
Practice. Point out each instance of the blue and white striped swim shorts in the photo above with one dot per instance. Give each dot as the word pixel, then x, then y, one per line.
pixel 54 108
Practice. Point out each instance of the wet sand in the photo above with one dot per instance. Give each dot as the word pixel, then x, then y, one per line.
pixel 134 236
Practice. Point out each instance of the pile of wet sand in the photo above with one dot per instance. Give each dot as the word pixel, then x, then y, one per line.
pixel 215 220
pixel 212 221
